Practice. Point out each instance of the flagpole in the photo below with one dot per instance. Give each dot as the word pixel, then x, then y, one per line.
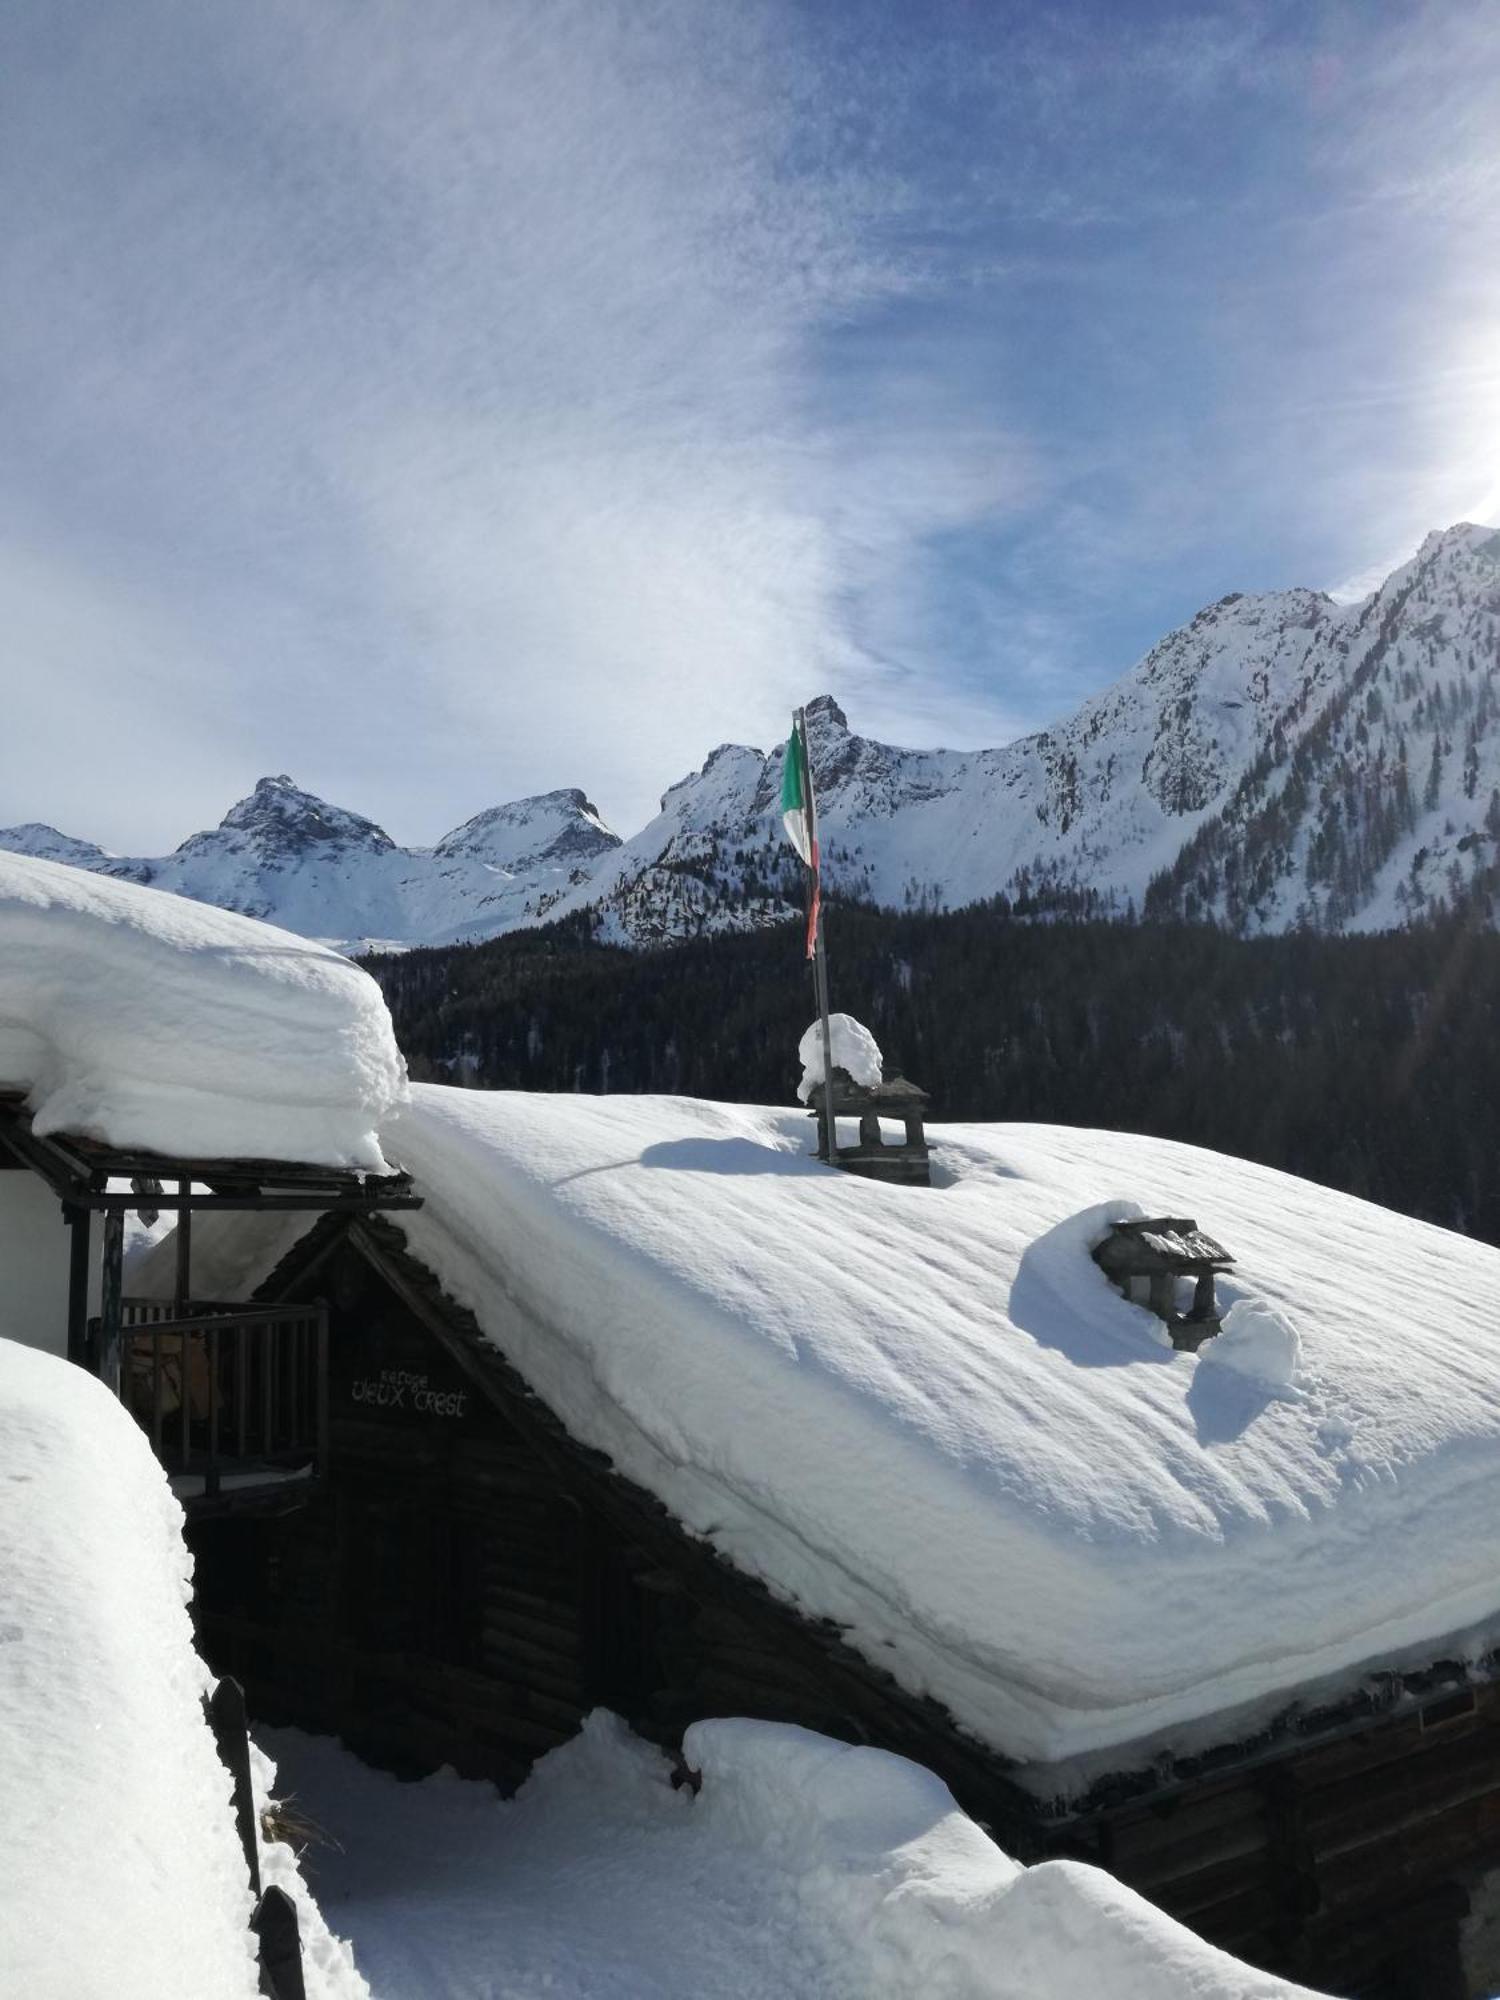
pixel 820 955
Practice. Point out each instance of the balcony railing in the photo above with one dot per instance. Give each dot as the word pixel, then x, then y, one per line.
pixel 234 1398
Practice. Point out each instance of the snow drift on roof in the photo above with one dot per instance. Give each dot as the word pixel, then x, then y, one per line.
pixel 123 1877
pixel 925 1413
pixel 144 1019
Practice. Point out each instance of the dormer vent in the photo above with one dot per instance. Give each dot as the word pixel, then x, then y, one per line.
pixel 1154 1259
pixel 874 1156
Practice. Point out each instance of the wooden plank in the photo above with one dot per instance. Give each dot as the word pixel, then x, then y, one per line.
pixel 556 1638
pixel 1234 1840
pixel 1467 1836
pixel 1404 1796
pixel 1190 1894
pixel 275 1926
pixel 1187 1815
pixel 225 1710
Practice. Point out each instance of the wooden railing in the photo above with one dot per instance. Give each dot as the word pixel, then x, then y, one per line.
pixel 227 1391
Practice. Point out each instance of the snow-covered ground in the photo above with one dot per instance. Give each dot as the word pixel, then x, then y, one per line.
pixel 141 1018
pixel 121 1876
pixel 803 1870
pixel 927 1415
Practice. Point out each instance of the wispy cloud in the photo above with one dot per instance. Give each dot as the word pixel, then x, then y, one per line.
pixel 476 345
pixel 445 399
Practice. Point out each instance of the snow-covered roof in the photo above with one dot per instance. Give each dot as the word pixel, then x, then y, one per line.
pixel 926 1413
pixel 122 1871
pixel 144 1019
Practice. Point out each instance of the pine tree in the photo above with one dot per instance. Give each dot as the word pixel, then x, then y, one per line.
pixel 1434 783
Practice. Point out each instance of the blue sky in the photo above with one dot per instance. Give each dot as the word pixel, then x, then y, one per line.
pixel 443 400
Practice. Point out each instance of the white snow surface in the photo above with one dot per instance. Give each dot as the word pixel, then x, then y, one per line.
pixel 1257 1341
pixel 851 1045
pixel 927 1415
pixel 803 1870
pixel 121 1876
pixel 141 1018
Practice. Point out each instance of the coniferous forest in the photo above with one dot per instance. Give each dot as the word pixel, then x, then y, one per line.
pixel 1369 1063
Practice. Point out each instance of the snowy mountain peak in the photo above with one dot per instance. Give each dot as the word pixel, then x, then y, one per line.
pixel 823 711
pixel 561 828
pixel 1463 538
pixel 36 838
pixel 279 813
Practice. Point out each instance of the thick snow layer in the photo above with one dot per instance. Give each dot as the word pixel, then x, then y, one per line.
pixel 851 1046
pixel 121 1876
pixel 144 1019
pixel 926 1414
pixel 803 1870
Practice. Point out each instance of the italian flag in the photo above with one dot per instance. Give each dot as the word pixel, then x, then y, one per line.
pixel 798 817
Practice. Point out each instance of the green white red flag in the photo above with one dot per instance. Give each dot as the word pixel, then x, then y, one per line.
pixel 799 817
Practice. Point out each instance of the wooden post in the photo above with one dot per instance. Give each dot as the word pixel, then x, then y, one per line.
pixel 78 1220
pixel 320 1363
pixel 275 1925
pixel 182 1291
pixel 109 1302
pixel 225 1709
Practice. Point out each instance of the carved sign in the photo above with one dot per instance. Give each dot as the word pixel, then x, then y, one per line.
pixel 402 1389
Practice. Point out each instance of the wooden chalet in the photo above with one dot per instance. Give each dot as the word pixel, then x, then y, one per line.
pixel 398 1541
pixel 467 1581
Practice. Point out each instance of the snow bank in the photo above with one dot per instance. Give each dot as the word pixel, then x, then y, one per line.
pixel 804 1868
pixel 917 1898
pixel 927 1415
pixel 852 1046
pixel 1259 1342
pixel 143 1019
pixel 121 1877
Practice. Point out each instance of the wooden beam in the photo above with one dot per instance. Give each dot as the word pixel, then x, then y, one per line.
pixel 109 1301
pixel 79 1227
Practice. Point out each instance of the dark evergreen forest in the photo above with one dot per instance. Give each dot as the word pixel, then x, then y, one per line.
pixel 1368 1063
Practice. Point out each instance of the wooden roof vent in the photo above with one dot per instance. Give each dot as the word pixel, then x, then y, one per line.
pixel 877 1158
pixel 1150 1257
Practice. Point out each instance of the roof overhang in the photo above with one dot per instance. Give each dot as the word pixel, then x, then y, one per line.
pixel 79 1172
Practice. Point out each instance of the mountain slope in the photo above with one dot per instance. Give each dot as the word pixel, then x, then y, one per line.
pixel 1094 807
pixel 1280 760
pixel 1375 802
